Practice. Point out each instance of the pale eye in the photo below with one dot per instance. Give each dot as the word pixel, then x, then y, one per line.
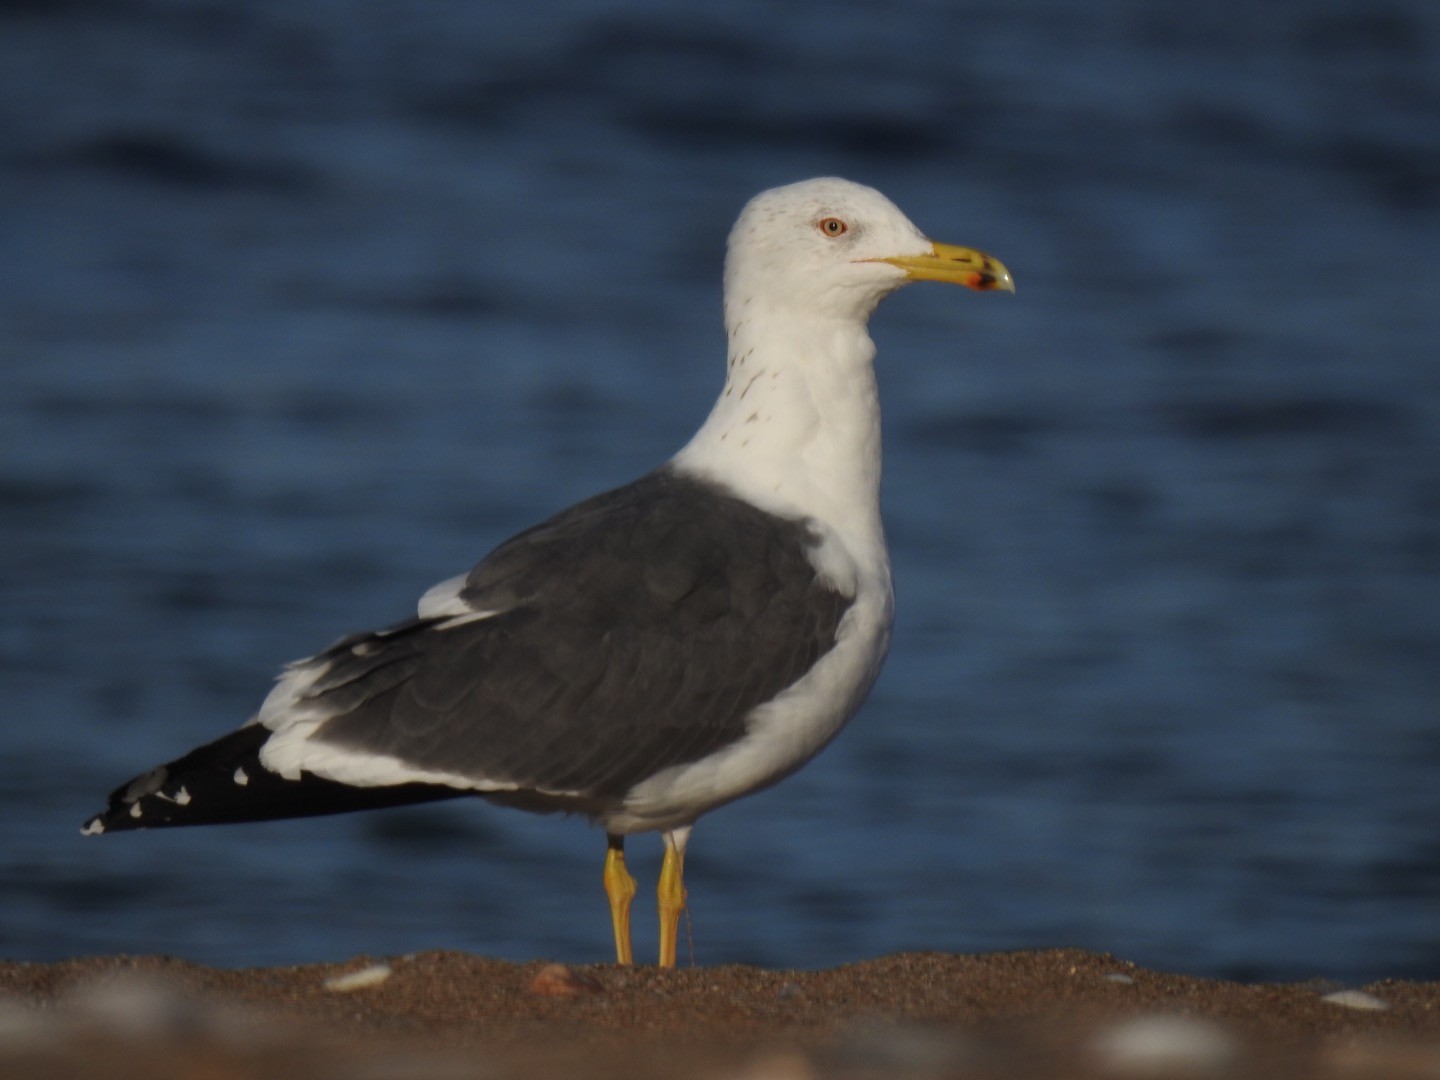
pixel 832 227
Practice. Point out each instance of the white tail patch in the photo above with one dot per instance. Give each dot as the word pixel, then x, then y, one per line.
pixel 295 749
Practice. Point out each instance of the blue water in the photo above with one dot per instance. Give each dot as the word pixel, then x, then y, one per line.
pixel 304 306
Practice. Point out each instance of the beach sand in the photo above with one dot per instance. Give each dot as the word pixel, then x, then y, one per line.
pixel 1054 1013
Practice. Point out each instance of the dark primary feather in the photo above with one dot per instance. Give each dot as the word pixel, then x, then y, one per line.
pixel 636 631
pixel 201 789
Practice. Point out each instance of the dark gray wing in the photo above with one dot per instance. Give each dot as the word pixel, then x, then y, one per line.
pixel 636 631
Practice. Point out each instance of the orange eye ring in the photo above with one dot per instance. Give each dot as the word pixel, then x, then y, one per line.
pixel 832 227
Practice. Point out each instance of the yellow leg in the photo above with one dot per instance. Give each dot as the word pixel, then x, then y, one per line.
pixel 672 893
pixel 620 888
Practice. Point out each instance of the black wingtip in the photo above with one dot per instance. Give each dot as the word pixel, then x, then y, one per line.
pixel 224 782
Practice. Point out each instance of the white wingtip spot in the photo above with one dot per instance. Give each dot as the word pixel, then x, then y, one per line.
pixel 93 827
pixel 182 797
pixel 135 810
pixel 241 778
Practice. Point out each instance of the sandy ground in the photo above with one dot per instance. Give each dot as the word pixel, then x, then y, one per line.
pixel 1060 1013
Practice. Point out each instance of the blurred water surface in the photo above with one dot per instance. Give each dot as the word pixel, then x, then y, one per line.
pixel 305 306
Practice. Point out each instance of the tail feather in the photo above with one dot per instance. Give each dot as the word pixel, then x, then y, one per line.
pixel 223 781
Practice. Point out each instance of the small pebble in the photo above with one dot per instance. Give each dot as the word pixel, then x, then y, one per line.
pixel 136 1005
pixel 363 979
pixel 1119 977
pixel 1357 999
pixel 557 980
pixel 1167 1046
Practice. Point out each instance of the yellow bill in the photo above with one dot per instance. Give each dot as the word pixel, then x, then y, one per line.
pixel 957 265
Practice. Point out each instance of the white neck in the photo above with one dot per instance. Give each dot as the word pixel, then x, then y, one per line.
pixel 797 428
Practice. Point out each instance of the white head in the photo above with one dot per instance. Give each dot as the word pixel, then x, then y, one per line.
pixel 797 427
pixel 831 248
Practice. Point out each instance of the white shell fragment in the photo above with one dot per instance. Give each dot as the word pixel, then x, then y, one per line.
pixel 363 979
pixel 1357 999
